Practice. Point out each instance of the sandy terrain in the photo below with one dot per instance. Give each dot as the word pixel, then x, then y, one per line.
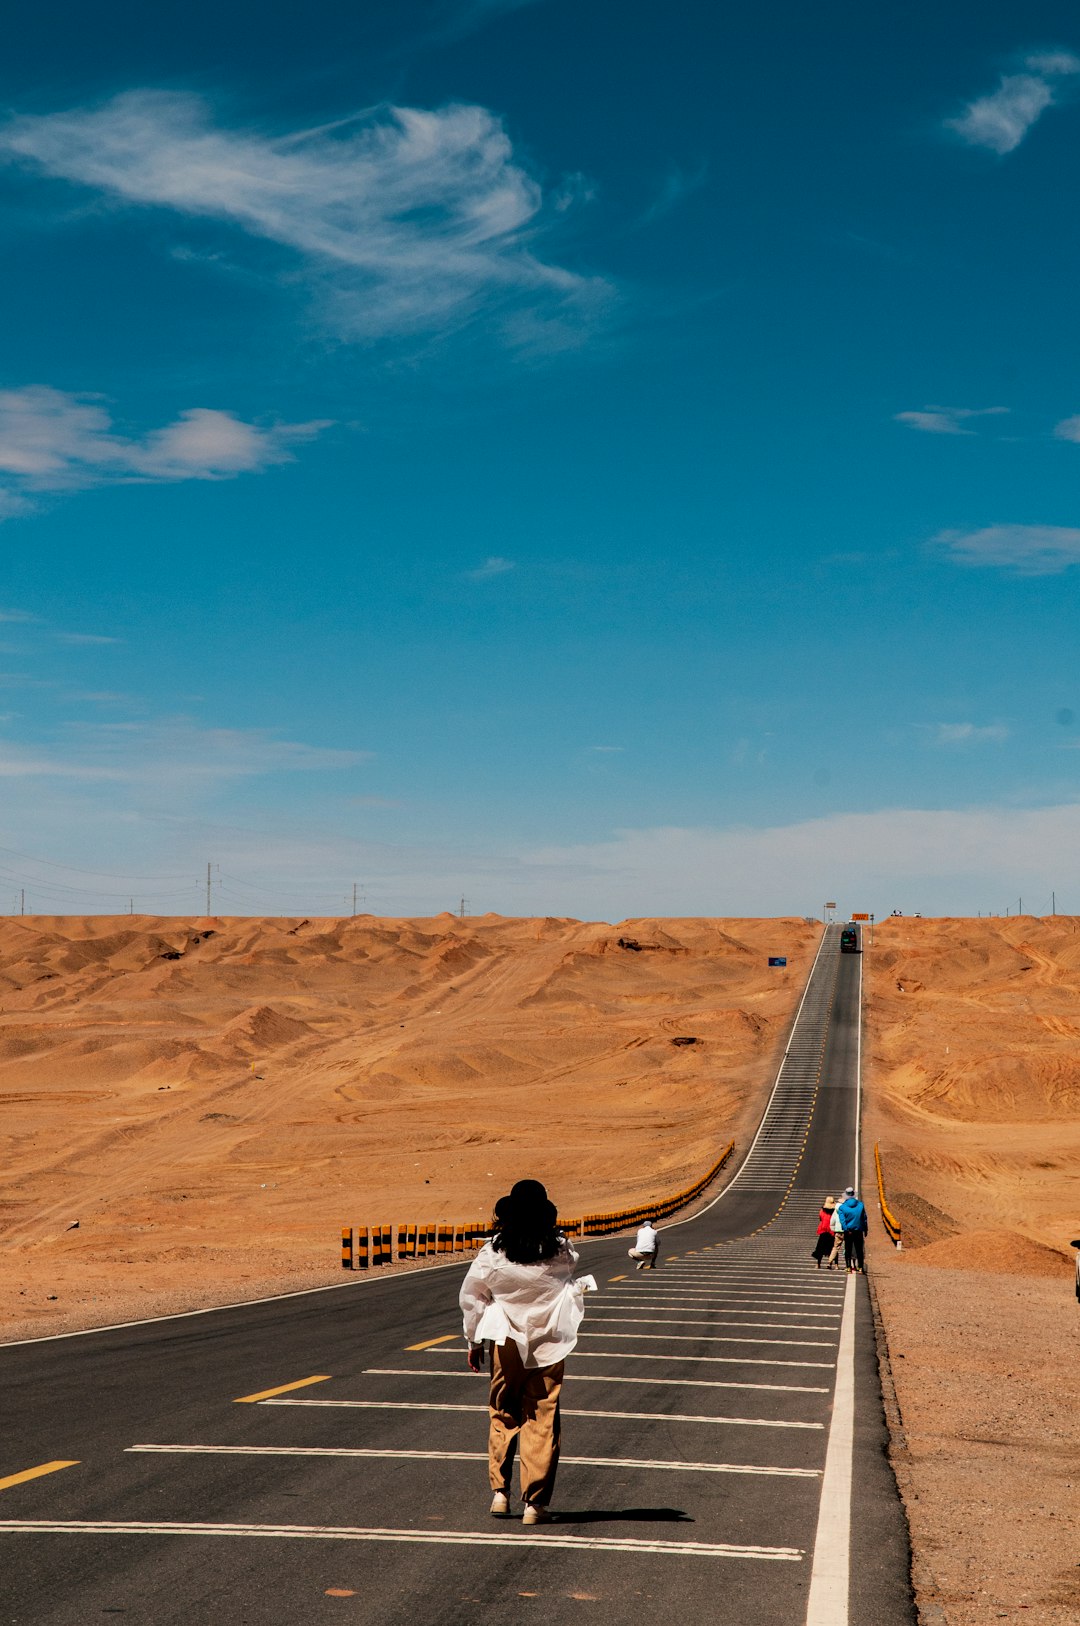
pixel 212 1100
pixel 973 1090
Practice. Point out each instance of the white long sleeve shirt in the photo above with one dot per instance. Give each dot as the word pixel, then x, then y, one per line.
pixel 538 1307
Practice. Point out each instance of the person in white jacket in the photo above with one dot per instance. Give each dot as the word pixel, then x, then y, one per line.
pixel 520 1295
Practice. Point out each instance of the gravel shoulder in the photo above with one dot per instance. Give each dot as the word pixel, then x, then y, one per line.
pixel 985 1437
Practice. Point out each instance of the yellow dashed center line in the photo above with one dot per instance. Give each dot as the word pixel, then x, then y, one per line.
pixel 429 1343
pixel 36 1473
pixel 282 1389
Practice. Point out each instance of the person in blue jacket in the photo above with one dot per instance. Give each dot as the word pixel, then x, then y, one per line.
pixel 853 1219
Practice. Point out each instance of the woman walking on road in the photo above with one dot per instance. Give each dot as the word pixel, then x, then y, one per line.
pixel 520 1294
pixel 825 1238
pixel 836 1225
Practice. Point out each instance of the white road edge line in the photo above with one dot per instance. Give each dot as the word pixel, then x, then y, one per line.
pixel 858 1082
pixel 240 1304
pixel 466 1456
pixel 467 1538
pixel 827 1604
pixel 830 1579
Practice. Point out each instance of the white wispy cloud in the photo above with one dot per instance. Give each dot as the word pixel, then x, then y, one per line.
pixel 13 504
pixel 84 638
pixel 406 219
pixel 1068 429
pixel 1025 550
pixel 939 420
pixel 967 733
pixel 678 184
pixel 492 566
pixel 169 751
pixel 1000 120
pixel 1054 64
pixel 607 750
pixel 51 440
pixel 949 861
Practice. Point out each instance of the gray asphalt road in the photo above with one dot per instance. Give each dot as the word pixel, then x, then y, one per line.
pixel 699 1411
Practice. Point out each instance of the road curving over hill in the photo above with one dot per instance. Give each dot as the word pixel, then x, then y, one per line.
pixel 321 1456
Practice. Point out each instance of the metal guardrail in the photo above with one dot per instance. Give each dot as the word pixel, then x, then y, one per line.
pixel 365 1246
pixel 888 1218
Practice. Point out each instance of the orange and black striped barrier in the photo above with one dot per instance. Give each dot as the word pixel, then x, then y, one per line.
pixel 415 1241
pixel 354 1247
pixel 621 1219
pixel 888 1219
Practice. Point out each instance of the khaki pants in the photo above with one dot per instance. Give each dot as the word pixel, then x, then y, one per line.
pixel 647 1258
pixel 524 1408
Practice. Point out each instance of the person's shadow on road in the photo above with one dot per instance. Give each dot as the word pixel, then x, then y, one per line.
pixel 626 1515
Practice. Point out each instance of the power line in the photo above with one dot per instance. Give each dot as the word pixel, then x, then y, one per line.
pixel 49 863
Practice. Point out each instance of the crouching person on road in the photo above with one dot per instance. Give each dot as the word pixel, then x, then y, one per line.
pixel 521 1296
pixel 646 1249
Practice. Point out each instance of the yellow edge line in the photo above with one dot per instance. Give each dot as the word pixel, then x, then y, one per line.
pixel 282 1389
pixel 617 1278
pixel 429 1343
pixel 36 1473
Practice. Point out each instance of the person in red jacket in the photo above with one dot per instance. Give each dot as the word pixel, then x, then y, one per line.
pixel 825 1239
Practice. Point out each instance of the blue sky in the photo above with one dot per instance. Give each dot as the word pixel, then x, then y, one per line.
pixel 599 459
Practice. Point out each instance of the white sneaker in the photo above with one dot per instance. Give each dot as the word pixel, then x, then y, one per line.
pixel 535 1514
pixel 500 1505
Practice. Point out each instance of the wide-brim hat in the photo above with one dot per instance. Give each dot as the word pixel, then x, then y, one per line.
pixel 528 1207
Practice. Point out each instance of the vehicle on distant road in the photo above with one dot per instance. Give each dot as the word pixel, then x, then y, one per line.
pixel 849 940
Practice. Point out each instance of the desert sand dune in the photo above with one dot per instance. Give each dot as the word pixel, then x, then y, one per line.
pixel 212 1099
pixel 973 1063
pixel 973 1073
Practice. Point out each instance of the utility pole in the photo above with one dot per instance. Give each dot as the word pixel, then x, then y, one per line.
pixel 354 897
pixel 1053 903
pixel 22 900
pixel 461 911
pixel 1019 906
pixel 208 887
pixel 131 906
